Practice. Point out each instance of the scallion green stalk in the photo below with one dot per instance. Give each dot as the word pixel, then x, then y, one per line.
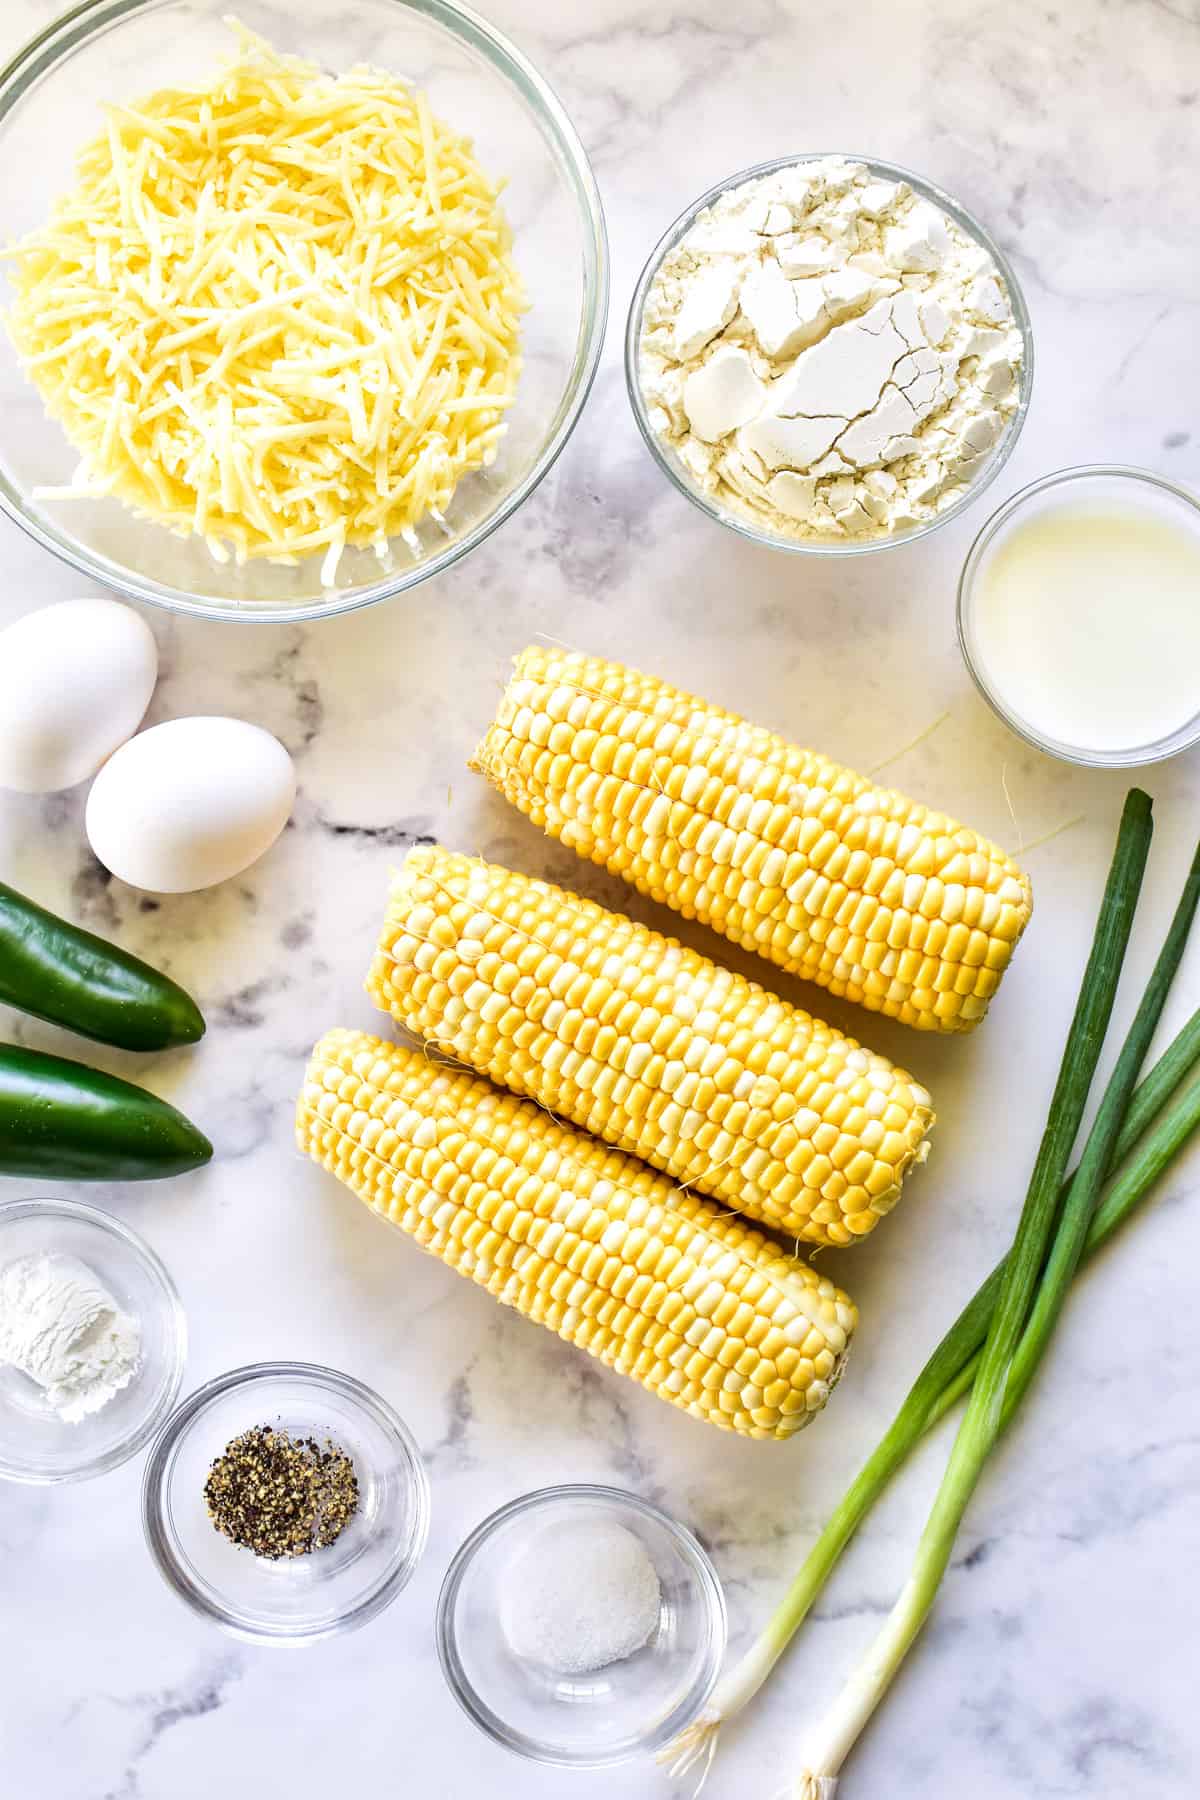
pixel 1140 1156
pixel 1024 1300
pixel 1139 1172
pixel 1121 1196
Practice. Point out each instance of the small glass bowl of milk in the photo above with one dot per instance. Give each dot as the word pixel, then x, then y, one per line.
pixel 1079 616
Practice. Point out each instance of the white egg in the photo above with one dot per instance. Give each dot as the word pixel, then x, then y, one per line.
pixel 75 682
pixel 190 803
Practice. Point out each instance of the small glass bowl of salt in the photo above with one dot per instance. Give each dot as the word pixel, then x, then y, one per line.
pixel 92 1341
pixel 581 1626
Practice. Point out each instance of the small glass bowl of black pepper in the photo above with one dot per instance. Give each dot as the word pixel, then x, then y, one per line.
pixel 286 1502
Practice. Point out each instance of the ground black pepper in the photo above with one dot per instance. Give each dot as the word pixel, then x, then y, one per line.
pixel 281 1496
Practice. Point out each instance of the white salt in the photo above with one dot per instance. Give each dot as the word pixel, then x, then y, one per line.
pixel 583 1593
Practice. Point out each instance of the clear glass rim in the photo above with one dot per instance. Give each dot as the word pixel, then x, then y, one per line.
pixel 87 20
pixel 835 547
pixel 691 1551
pixel 1184 738
pixel 80 1213
pixel 160 1540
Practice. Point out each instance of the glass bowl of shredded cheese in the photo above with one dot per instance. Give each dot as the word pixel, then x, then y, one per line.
pixel 827 353
pixel 299 306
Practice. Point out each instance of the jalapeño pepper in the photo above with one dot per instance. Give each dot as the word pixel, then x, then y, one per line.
pixel 62 1121
pixel 66 976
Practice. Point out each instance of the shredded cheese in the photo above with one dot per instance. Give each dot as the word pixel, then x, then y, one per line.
pixel 277 311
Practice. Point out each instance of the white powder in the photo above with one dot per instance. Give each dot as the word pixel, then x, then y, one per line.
pixel 60 1326
pixel 581 1594
pixel 828 354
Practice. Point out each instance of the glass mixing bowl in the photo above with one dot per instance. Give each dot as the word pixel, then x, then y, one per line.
pixel 51 94
pixel 630 1707
pixel 708 503
pixel 295 1600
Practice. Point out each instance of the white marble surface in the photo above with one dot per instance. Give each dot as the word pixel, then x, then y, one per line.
pixel 1059 1661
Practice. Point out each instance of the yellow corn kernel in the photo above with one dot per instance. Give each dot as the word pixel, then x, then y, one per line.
pixel 782 851
pixel 558 1223
pixel 705 1075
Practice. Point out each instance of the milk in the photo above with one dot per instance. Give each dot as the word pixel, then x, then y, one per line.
pixel 1085 620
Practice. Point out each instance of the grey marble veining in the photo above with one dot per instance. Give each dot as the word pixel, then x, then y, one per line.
pixel 1059 1661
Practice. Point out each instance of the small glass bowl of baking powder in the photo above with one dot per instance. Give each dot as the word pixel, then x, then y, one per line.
pixel 520 1655
pixel 295 1599
pixel 38 1445
pixel 752 522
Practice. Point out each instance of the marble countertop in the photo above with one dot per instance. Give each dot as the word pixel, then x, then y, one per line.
pixel 1060 1658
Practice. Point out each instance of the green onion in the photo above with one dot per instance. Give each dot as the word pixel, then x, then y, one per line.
pixel 1120 1197
pixel 1138 1109
pixel 1019 1297
pixel 916 1417
pixel 950 1371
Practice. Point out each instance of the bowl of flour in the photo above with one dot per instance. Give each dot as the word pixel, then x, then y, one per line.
pixel 827 353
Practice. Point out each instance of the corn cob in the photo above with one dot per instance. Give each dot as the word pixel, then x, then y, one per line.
pixel 846 884
pixel 649 1045
pixel 657 1284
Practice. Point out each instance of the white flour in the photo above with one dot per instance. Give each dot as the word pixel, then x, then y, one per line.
pixel 828 354
pixel 63 1329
